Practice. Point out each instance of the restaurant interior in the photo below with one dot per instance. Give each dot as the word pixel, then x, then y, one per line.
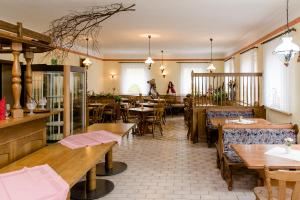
pixel 149 100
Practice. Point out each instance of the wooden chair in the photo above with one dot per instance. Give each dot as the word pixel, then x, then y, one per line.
pixel 170 101
pixel 156 120
pixel 98 114
pixel 279 192
pixel 110 112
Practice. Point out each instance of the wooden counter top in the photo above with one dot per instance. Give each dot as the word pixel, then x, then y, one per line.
pixel 26 118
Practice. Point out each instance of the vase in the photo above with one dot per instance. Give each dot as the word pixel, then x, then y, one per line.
pixel 287 149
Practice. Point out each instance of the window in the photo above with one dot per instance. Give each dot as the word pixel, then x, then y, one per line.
pixel 186 79
pixel 134 77
pixel 276 79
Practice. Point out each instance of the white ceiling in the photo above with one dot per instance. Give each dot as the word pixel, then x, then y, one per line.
pixel 183 26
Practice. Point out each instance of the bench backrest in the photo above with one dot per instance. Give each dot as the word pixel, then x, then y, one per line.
pixel 259 134
pixel 246 113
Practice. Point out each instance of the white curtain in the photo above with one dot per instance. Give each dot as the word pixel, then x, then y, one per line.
pixel 277 79
pixel 229 66
pixel 185 76
pixel 134 77
pixel 248 62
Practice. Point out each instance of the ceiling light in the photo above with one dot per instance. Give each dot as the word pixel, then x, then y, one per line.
pixel 162 66
pixel 164 74
pixel 149 60
pixel 87 62
pixel 211 68
pixel 287 50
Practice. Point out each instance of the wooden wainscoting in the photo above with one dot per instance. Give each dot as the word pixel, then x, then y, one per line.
pixel 22 136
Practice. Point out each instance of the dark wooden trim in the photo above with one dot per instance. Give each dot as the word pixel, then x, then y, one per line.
pixel 130 62
pixel 279 35
pixel 194 62
pixel 227 74
pixel 167 59
pixel 248 50
pixel 228 59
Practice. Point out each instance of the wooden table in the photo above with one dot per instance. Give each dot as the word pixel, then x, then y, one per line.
pixel 150 105
pixel 96 104
pixel 254 157
pixel 121 129
pixel 71 165
pixel 222 121
pixel 142 112
pixel 159 100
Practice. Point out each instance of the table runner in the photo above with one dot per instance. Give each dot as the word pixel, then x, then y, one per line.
pixel 90 139
pixel 36 183
pixel 283 153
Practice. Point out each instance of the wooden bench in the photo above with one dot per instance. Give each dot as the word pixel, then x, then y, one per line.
pixel 228 112
pixel 230 134
pixel 70 164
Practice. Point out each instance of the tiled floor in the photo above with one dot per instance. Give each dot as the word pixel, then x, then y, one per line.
pixel 169 167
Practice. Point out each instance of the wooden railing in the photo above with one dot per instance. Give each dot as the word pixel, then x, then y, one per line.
pixel 226 89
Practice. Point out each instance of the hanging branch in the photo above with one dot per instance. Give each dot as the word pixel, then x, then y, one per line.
pixel 73 28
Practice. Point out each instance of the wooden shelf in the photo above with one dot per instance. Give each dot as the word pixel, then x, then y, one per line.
pixel 27 118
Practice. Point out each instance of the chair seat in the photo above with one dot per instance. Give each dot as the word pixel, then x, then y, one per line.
pixel 152 120
pixel 262 193
pixel 233 157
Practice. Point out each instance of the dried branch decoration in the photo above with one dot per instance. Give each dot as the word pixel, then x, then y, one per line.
pixel 70 29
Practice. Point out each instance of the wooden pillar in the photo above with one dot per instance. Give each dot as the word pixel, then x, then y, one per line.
pixel 17 110
pixel 28 55
pixel 67 99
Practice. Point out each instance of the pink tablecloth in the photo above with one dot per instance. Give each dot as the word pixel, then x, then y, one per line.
pixel 90 139
pixel 36 183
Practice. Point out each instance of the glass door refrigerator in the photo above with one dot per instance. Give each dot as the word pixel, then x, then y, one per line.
pixel 47 81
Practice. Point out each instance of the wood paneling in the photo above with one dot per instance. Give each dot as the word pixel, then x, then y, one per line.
pixel 20 137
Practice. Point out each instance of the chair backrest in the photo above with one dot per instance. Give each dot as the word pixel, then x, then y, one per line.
pixel 283 177
pixel 255 134
pixel 98 113
pixel 158 113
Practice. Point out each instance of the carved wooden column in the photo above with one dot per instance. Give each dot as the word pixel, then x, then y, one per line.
pixel 28 55
pixel 17 110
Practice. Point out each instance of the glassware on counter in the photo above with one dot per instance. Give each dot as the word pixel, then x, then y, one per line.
pixel 7 111
pixel 31 105
pixel 43 102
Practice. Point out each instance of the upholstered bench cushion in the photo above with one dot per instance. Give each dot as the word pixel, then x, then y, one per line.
pixel 227 114
pixel 232 157
pixel 254 136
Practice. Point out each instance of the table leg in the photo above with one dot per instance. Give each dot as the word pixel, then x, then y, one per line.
pixel 109 167
pixel 108 161
pixel 91 179
pixel 92 188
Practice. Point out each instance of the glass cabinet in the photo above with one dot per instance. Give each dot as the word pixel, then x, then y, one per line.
pixel 47 81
